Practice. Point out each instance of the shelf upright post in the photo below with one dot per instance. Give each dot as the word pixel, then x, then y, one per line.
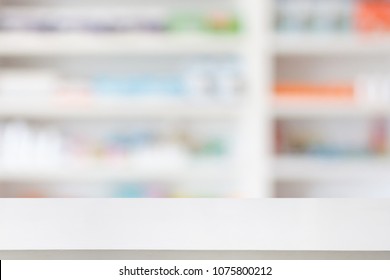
pixel 254 147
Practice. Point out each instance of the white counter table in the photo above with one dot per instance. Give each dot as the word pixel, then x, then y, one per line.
pixel 195 224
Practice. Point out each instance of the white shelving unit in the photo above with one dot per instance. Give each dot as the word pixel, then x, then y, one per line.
pixel 27 44
pixel 349 45
pixel 96 173
pixel 329 56
pixel 315 111
pixel 101 111
pixel 299 168
pixel 252 151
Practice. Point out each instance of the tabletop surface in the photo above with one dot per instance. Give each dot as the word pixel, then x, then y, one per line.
pixel 195 224
pixel 190 255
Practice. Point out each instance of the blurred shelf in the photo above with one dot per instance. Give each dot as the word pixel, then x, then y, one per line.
pixel 306 168
pixel 28 44
pixel 116 111
pixel 111 173
pixel 305 45
pixel 315 110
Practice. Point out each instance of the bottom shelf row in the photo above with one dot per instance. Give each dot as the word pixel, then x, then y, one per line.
pixel 338 157
pixel 95 159
pixel 342 189
pixel 332 177
pixel 190 189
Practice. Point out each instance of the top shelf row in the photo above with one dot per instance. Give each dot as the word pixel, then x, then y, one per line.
pixel 149 28
pixel 324 27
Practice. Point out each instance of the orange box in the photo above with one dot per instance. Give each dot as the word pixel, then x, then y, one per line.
pixel 373 16
pixel 311 92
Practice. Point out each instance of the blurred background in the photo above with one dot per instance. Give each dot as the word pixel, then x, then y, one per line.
pixel 131 98
pixel 116 98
